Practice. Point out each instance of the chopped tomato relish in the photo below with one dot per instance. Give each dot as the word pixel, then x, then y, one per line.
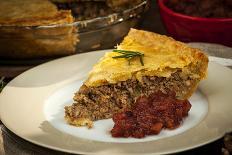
pixel 150 115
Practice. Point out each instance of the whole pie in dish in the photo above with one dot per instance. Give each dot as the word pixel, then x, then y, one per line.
pixel 114 84
pixel 21 37
pixel 48 28
pixel 32 13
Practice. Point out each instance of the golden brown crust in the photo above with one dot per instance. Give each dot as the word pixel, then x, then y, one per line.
pixel 37 43
pixel 38 48
pixel 162 57
pixel 32 13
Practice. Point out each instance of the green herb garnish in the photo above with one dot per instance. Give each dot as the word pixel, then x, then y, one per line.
pixel 129 55
pixel 2 83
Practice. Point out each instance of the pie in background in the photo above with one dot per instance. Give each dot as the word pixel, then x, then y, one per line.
pixel 21 37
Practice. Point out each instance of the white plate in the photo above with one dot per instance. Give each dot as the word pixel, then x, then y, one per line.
pixel 32 107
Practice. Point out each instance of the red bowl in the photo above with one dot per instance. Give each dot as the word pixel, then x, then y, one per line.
pixel 196 29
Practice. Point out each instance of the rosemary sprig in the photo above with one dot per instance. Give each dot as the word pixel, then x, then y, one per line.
pixel 2 83
pixel 129 55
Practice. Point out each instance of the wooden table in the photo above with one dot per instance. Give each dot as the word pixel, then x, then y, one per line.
pixel 11 144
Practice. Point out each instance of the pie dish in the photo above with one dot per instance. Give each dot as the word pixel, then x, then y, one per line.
pixel 30 43
pixel 113 85
pixel 41 29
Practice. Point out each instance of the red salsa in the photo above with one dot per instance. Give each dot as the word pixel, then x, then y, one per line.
pixel 149 115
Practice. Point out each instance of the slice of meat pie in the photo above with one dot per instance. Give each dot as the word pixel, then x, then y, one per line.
pixel 143 63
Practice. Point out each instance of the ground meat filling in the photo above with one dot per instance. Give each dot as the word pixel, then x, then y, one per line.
pixel 102 102
pixel 84 10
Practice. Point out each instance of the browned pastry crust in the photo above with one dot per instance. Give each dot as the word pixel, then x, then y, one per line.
pixel 21 43
pixel 31 43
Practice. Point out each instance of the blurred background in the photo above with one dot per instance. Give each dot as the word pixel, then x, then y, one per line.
pixel 33 32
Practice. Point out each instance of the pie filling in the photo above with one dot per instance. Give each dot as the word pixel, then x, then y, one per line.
pixel 94 103
pixel 83 10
